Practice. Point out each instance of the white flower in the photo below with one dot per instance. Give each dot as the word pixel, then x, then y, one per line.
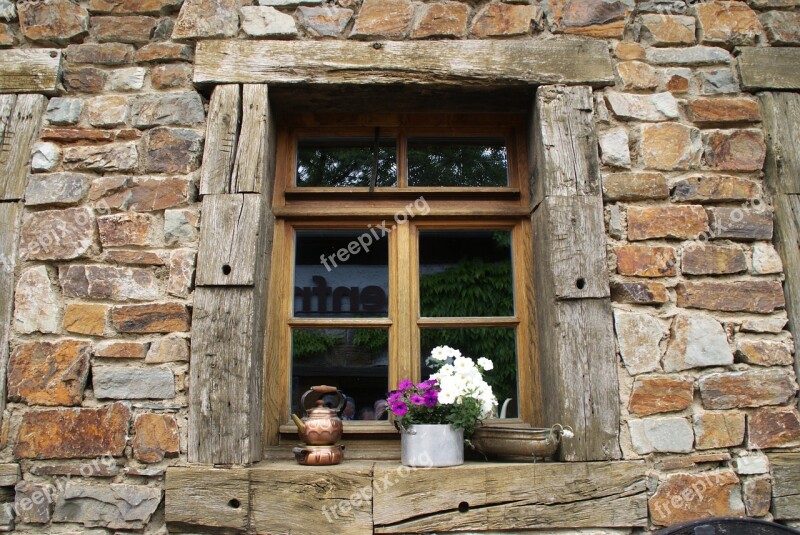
pixel 486 364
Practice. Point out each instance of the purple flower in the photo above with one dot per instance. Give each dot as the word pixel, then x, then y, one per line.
pixel 416 399
pixel 399 408
pixel 431 398
pixel 426 385
pixel 405 384
pixel 394 396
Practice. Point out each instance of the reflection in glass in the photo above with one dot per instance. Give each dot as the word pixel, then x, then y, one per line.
pixel 353 360
pixel 466 161
pixel 497 344
pixel 465 273
pixel 345 162
pixel 341 274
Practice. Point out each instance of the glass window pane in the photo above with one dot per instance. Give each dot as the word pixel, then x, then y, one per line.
pixel 497 344
pixel 353 360
pixel 341 274
pixel 345 162
pixel 465 273
pixel 466 161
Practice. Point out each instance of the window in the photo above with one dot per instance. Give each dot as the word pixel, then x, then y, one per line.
pixel 395 234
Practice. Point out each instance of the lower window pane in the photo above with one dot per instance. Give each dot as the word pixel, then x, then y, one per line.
pixel 353 360
pixel 497 344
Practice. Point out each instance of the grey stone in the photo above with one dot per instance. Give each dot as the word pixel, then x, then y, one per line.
pixel 719 82
pixel 258 21
pixel 8 10
pixel 690 56
pixel 168 349
pixel 11 475
pixel 754 463
pixel 290 3
pixel 163 29
pixel 328 21
pixel 108 282
pixel 667 435
pixel 697 341
pixel 658 107
pixel 128 79
pixel 103 158
pixel 57 234
pixel 121 382
pixel 45 156
pixel 32 502
pixel 663 7
pixel 181 272
pixel 114 506
pixel 639 337
pixel 183 108
pixel 36 306
pixel 56 188
pixel 207 18
pixel 615 228
pixel 107 111
pixel 180 226
pixel 766 259
pixel 64 111
pixel 614 148
pixel 764 325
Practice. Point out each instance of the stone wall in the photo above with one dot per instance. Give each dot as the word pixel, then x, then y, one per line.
pixel 97 377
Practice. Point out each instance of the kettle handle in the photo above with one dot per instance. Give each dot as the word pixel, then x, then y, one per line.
pixel 324 389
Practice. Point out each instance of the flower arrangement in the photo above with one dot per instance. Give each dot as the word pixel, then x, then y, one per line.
pixel 455 394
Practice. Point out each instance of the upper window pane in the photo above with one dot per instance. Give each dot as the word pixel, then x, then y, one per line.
pixel 345 162
pixel 461 161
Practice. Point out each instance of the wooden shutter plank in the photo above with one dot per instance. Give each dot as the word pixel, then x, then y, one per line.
pixel 781 114
pixel 769 67
pixel 20 133
pixel 222 135
pixel 30 70
pixel 203 498
pixel 229 231
pixel 785 470
pixel 9 223
pixel 255 154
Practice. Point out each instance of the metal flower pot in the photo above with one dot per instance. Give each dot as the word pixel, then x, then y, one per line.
pixel 431 445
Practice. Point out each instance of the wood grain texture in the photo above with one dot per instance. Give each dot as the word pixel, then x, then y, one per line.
pixel 781 115
pixel 785 469
pixel 509 497
pixel 222 135
pixel 458 63
pixel 206 498
pixel 769 68
pixel 16 143
pixel 229 231
pixel 31 70
pixel 255 155
pixel 10 213
pixel 563 142
pixel 226 376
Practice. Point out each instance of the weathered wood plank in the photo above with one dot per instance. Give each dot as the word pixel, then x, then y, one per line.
pixel 509 497
pixel 256 152
pixel 229 230
pixel 781 115
pixel 225 411
pixel 16 144
pixel 10 213
pixel 785 469
pixel 769 68
pixel 207 498
pixel 563 144
pixel 473 62
pixel 6 107
pixel 222 137
pixel 313 500
pixel 29 70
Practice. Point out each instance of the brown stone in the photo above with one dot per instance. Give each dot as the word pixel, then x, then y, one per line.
pixel 501 19
pixel 108 282
pixel 84 318
pixel 181 272
pixel 712 260
pixel 383 18
pixel 740 223
pixel 82 433
pixel 136 258
pixel 129 228
pixel 84 79
pixel 163 52
pixel 641 293
pixel 645 261
pixel 760 296
pixel 124 7
pixel 57 234
pixel 655 394
pixel 723 429
pixel 707 111
pixel 757 496
pixel 207 18
pixel 735 150
pixel 594 18
pixel 680 222
pixel 72 135
pixel 96 468
pixel 32 504
pixel 782 27
pixel 636 75
pixel 634 186
pixel 156 438
pixel 49 373
pixel 6 36
pixel 671 146
pixel 715 188
pixel 676 83
pixel 168 349
pixel 171 76
pixel 441 19
pixel 684 497
pixel 173 150
pixel 100 54
pixel 142 194
pixel 135 30
pixel 107 111
pixel 752 388
pixel 107 158
pixel 727 23
pixel 763 352
pixel 629 51
pixel 56 21
pixel 155 318
pixel 683 462
pixel 111 349
pixel 773 428
pixel 668 30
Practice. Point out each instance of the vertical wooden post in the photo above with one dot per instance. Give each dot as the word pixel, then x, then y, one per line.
pixel 9 223
pixel 577 359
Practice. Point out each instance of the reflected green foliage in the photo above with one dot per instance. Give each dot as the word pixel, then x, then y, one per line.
pixel 374 341
pixel 307 343
pixel 321 165
pixel 459 162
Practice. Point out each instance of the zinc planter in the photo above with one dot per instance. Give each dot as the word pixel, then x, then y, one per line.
pixel 432 445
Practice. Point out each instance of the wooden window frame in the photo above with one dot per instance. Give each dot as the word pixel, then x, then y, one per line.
pixel 450 207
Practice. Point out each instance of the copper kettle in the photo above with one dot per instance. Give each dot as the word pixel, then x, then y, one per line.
pixel 321 426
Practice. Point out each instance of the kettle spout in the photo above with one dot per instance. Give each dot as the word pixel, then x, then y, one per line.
pixel 299 423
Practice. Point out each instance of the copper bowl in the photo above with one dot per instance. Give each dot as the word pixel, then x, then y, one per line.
pixel 516 443
pixel 319 455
